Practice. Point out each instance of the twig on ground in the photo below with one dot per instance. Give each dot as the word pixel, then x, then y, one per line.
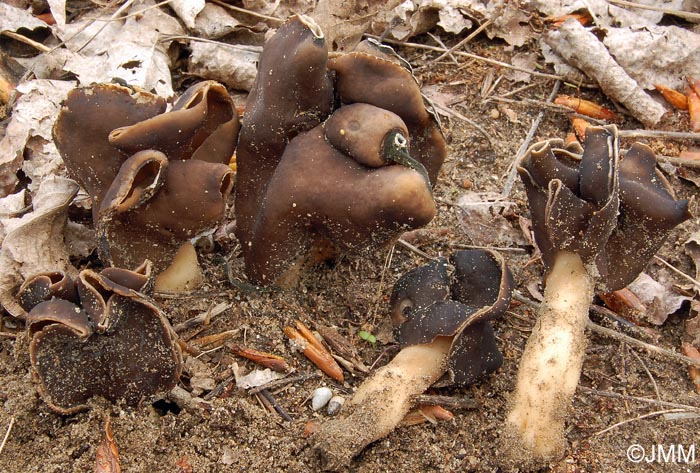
pixel 380 287
pixel 118 12
pixel 7 434
pixel 644 416
pixel 651 378
pixel 510 249
pixel 283 381
pixel 451 112
pixel 622 337
pixel 446 401
pixel 441 44
pixel 513 168
pixel 275 405
pixel 671 135
pixel 677 161
pixel 247 12
pixel 219 388
pixel 25 40
pixel 416 250
pixel 469 55
pixel 627 397
pixel 669 11
pixel 464 41
pixel 677 271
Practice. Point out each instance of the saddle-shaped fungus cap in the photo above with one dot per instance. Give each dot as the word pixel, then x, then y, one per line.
pixel 202 125
pixel 614 213
pixel 82 128
pixel 427 303
pixel 318 193
pixel 292 93
pixel 114 342
pixel 157 181
pixel 370 76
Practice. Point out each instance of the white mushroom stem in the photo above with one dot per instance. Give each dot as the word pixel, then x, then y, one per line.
pixel 550 366
pixel 381 402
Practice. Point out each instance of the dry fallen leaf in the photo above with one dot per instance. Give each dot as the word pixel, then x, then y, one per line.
pixel 483 222
pixel 255 378
pixel 659 299
pixel 33 243
pixel 107 453
pixel 187 10
pixel 691 352
pixel 235 66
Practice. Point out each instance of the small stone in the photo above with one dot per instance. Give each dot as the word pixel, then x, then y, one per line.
pixel 321 397
pixel 335 404
pixel 467 184
pixel 495 114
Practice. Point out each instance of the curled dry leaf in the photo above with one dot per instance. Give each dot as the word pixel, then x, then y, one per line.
pixel 268 360
pixel 659 299
pixel 483 221
pixel 694 372
pixel 427 413
pixel 33 243
pixel 107 453
pixel 314 350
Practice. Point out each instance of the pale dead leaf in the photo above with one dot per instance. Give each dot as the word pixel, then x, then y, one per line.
pixel 523 60
pixel 13 18
pixel 692 249
pixel 483 222
pixel 582 49
pixel 659 299
pixel 676 54
pixel 345 21
pixel 214 22
pixel 58 11
pixel 235 66
pixel 133 50
pixel 31 124
pixel 34 242
pixel 187 10
pixel 255 378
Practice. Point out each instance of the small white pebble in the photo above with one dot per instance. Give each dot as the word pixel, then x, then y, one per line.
pixel 321 397
pixel 335 404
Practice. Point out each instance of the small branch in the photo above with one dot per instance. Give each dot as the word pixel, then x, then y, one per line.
pixel 679 13
pixel 676 161
pixel 627 421
pixel 416 250
pixel 677 271
pixel 7 434
pixel 619 336
pixel 671 135
pixel 471 36
pixel 247 12
pixel 25 40
pixel 513 169
pixel 469 55
pixel 283 381
pixel 627 397
pixel 491 248
pixel 446 401
pixel 448 111
pixel 279 409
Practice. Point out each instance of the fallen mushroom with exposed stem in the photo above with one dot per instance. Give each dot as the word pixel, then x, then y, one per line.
pixel 597 220
pixel 443 326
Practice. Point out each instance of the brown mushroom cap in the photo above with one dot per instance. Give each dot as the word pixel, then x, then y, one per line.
pixel 292 94
pixel 373 78
pixel 302 182
pixel 480 290
pixel 202 125
pixel 613 213
pixel 317 192
pixel 145 205
pixel 116 343
pixel 81 132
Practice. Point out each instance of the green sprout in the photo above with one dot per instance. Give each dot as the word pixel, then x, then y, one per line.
pixel 368 337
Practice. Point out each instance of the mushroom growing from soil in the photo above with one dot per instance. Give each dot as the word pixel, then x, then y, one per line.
pixel 155 179
pixel 99 335
pixel 597 220
pixel 324 163
pixel 443 325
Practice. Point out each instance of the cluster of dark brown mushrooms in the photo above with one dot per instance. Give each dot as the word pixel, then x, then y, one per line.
pixel 334 152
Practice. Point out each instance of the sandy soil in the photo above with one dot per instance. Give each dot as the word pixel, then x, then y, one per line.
pixel 234 432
